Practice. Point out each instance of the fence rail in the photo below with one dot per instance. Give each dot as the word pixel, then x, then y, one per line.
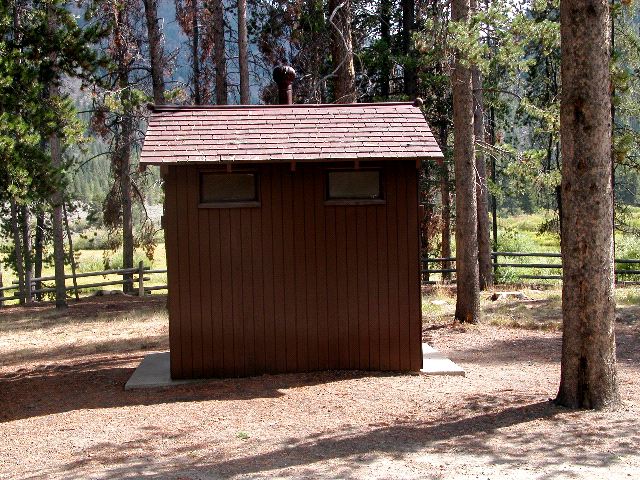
pixel 135 277
pixel 427 261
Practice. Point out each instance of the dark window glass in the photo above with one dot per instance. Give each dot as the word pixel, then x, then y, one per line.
pixel 228 187
pixel 354 185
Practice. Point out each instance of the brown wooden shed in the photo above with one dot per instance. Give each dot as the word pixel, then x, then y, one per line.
pixel 291 236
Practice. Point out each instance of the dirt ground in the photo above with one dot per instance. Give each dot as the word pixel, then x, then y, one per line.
pixel 64 413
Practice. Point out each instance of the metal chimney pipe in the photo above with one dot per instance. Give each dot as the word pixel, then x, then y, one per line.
pixel 284 75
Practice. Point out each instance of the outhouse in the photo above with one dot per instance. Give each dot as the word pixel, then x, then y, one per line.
pixel 291 235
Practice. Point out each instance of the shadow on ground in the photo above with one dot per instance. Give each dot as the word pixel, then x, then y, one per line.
pixel 497 435
pixel 99 383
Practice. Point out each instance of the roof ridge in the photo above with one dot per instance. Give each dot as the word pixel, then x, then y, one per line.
pixel 170 108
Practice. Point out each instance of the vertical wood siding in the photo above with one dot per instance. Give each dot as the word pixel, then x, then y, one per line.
pixel 293 285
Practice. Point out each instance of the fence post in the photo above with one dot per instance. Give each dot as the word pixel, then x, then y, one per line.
pixel 28 294
pixel 1 291
pixel 141 279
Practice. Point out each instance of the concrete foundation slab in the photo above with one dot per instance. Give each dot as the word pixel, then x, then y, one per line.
pixel 435 363
pixel 153 371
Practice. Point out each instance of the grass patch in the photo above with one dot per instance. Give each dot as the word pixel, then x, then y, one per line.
pixel 628 296
pixel 93 325
pixel 539 310
pixel 514 321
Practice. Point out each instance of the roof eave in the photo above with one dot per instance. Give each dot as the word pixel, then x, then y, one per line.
pixel 428 156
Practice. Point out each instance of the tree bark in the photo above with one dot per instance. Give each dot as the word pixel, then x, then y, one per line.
pixel 195 52
pixel 468 289
pixel 124 164
pixel 494 179
pixel 17 249
pixel 588 373
pixel 56 224
pixel 15 222
pixel 408 26
pixel 482 191
pixel 342 51
pixel 25 218
pixel 122 154
pixel 219 55
pixel 38 251
pixel 1 291
pixel 156 53
pixel 243 53
pixel 57 198
pixel 72 260
pixel 445 198
pixel 385 36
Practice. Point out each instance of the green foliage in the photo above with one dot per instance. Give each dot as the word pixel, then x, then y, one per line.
pixel 628 247
pixel 33 58
pixel 514 240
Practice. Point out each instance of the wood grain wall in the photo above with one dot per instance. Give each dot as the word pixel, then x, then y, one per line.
pixel 293 285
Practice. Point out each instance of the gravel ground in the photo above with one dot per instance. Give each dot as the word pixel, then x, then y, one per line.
pixel 64 413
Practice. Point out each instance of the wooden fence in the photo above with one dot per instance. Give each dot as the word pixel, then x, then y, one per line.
pixel 426 271
pixel 136 277
pixel 141 274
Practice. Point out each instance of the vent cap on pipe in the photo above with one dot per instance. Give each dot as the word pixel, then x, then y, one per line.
pixel 284 75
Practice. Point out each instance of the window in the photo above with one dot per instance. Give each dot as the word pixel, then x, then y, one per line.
pixel 228 189
pixel 354 185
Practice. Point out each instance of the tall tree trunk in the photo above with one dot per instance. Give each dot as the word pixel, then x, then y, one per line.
pixel 195 52
pixel 494 179
pixel 219 52
pixel 385 36
pixel 445 197
pixel 243 53
pixel 38 250
pixel 56 224
pixel 468 289
pixel 25 218
pixel 613 132
pixel 408 26
pixel 17 249
pixel 588 374
pixel 156 53
pixel 342 51
pixel 57 196
pixel 482 191
pixel 72 260
pixel 15 222
pixel 1 291
pixel 124 165
pixel 122 154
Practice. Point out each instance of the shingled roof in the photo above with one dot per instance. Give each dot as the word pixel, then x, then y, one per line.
pixel 284 133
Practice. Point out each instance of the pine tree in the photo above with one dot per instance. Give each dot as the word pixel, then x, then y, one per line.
pixel 156 54
pixel 468 292
pixel 588 374
pixel 35 57
pixel 342 51
pixel 219 46
pixel 243 53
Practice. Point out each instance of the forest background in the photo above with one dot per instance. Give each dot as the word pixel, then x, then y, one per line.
pixel 77 76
